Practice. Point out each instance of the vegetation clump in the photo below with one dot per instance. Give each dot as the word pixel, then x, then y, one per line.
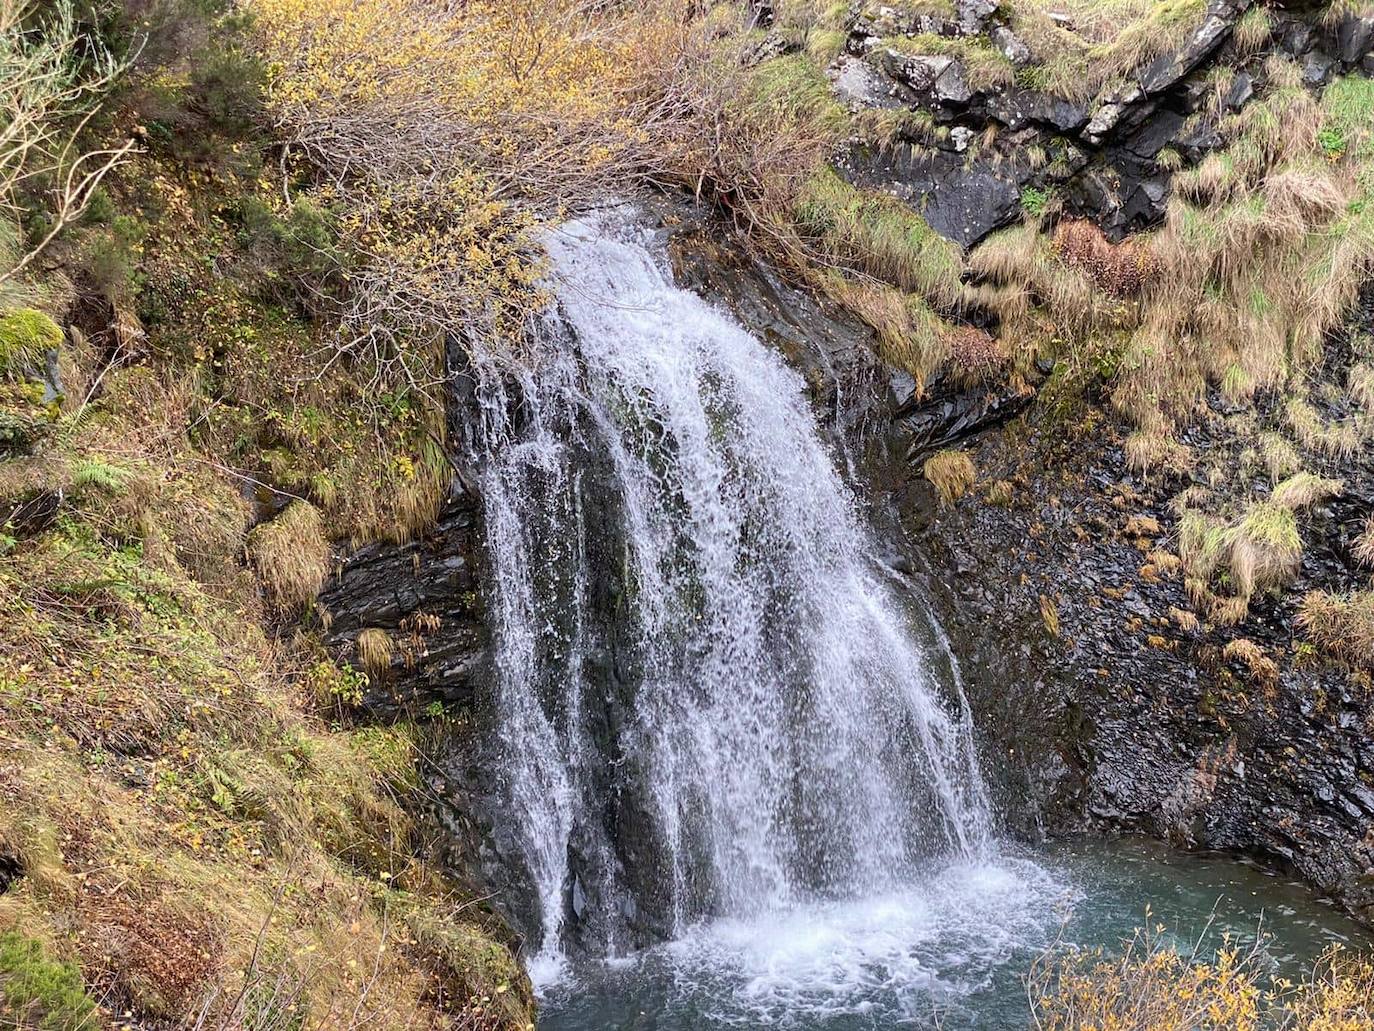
pixel 951 473
pixel 291 555
pixel 1341 625
pixel 26 336
pixel 1150 984
pixel 37 991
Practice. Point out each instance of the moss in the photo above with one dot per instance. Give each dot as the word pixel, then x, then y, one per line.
pixel 40 992
pixel 26 335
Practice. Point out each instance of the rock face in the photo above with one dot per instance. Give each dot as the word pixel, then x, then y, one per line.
pixel 1107 708
pixel 1103 156
pixel 426 597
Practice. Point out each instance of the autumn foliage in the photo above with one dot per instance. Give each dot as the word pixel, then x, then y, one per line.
pixel 1150 985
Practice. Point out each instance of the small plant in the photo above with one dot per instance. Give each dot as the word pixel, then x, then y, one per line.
pixel 342 685
pixel 99 475
pixel 1332 141
pixel 1034 200
pixel 40 992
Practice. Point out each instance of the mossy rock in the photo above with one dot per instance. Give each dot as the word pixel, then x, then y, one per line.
pixel 26 335
pixel 39 992
pixel 22 433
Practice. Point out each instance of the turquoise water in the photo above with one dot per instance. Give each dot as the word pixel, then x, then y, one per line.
pixel 949 954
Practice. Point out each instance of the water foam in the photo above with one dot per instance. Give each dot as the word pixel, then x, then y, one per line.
pixel 893 959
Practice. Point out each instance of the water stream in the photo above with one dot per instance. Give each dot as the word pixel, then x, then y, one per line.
pixel 721 724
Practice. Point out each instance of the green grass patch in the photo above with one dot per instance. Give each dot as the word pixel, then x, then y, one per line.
pixel 879 235
pixel 41 992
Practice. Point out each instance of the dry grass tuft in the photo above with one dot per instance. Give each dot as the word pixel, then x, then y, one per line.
pixel 1226 564
pixel 1049 615
pixel 1147 451
pixel 1264 548
pixel 952 473
pixel 1279 456
pixel 1303 490
pixel 1337 439
pixel 1341 625
pixel 291 555
pixel 1185 620
pixel 1363 549
pixel 1122 269
pixel 1261 668
pixel 375 653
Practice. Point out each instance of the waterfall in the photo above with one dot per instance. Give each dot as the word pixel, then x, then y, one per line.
pixel 709 701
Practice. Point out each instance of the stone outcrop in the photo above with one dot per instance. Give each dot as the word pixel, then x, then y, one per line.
pixel 425 596
pixel 1103 156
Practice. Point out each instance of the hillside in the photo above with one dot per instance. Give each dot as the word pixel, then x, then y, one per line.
pixel 1099 273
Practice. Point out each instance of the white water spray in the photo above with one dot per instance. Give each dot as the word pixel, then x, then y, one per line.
pixel 711 702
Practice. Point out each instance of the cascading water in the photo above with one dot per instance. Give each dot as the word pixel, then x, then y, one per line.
pixel 710 699
pixel 724 743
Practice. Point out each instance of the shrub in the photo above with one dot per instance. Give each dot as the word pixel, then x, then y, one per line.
pixel 1150 986
pixel 951 473
pixel 40 992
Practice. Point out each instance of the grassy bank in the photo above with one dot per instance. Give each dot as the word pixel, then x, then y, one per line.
pixel 189 835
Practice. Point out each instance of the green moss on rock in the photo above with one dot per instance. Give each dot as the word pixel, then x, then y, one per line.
pixel 25 336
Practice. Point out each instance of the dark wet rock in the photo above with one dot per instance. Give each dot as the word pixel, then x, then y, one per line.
pixel 1114 144
pixel 1354 39
pixel 947 413
pixel 1121 716
pixel 959 201
pixel 1169 70
pixel 402 590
